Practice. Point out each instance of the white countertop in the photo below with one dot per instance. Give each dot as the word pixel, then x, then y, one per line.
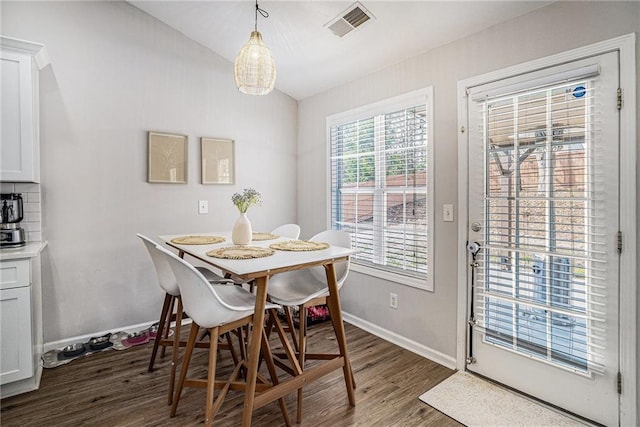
pixel 30 250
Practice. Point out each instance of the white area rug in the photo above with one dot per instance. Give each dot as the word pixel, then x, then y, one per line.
pixel 475 402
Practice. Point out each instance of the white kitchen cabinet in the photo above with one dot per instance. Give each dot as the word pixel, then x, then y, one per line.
pixel 16 353
pixel 20 319
pixel 20 64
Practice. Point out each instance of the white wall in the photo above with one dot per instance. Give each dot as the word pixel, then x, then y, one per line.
pixel 424 317
pixel 116 73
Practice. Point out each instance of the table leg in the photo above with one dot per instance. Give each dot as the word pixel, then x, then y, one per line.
pixel 254 349
pixel 338 326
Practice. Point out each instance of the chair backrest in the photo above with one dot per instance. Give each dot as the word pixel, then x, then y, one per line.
pixel 199 298
pixel 334 238
pixel 166 278
pixel 291 231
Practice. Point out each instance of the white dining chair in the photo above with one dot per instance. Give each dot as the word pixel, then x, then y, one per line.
pixel 307 288
pixel 291 231
pixel 218 309
pixel 168 283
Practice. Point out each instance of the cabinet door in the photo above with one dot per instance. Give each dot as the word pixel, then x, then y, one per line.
pixel 19 118
pixel 16 353
pixel 15 273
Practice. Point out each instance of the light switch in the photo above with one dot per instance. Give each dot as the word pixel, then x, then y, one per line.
pixel 447 213
pixel 203 207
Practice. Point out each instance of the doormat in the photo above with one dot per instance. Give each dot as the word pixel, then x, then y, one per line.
pixel 473 401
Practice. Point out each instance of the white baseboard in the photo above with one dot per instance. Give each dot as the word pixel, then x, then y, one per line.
pixel 399 340
pixel 406 343
pixel 84 338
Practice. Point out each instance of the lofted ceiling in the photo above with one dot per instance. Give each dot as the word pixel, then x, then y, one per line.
pixel 309 57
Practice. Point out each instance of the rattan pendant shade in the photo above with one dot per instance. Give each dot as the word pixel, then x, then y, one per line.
pixel 255 69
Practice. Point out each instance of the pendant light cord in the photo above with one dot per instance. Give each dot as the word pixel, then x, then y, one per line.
pixel 262 12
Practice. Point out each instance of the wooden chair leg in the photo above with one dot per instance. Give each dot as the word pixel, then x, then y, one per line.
pixel 266 351
pixel 211 375
pixel 234 356
pixel 161 326
pixel 165 334
pixel 302 347
pixel 174 351
pixel 269 326
pixel 289 351
pixel 191 342
pixel 242 343
pixel 289 319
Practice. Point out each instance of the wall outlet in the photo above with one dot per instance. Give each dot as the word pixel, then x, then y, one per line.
pixel 393 300
pixel 203 207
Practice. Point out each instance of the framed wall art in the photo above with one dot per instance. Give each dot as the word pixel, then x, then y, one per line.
pixel 218 162
pixel 167 160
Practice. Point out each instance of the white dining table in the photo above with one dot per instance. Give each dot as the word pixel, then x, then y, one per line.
pixel 259 270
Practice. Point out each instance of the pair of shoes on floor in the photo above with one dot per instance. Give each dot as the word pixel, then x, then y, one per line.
pixel 117 340
pixel 125 340
pixel 54 358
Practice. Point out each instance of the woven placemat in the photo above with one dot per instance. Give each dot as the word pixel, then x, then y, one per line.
pixel 240 252
pixel 197 240
pixel 299 245
pixel 257 236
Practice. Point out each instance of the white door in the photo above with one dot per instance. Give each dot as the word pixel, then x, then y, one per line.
pixel 544 209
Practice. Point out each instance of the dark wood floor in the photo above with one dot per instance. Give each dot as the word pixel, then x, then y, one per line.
pixel 113 388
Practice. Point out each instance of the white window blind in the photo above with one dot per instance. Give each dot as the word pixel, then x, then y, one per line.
pixel 542 278
pixel 379 190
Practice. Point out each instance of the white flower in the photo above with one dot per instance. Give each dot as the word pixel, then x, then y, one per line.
pixel 246 199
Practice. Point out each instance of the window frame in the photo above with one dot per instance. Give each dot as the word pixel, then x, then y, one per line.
pixel 421 96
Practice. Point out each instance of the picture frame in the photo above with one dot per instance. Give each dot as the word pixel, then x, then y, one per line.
pixel 167 158
pixel 218 160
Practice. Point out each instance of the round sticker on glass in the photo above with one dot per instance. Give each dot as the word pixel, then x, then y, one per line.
pixel 579 91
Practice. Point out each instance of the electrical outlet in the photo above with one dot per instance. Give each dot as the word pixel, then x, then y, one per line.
pixel 393 300
pixel 203 207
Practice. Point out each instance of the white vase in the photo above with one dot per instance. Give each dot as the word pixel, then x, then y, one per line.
pixel 241 233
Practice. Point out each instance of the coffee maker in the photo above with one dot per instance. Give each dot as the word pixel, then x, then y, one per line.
pixel 11 233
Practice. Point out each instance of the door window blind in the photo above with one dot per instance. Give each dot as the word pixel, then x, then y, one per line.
pixel 379 188
pixel 542 275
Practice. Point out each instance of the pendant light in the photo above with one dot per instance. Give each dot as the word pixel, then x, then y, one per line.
pixel 255 69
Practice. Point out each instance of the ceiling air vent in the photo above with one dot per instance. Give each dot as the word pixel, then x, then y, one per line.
pixel 349 20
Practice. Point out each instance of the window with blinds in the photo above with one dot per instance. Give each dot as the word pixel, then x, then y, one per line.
pixel 542 275
pixel 379 192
